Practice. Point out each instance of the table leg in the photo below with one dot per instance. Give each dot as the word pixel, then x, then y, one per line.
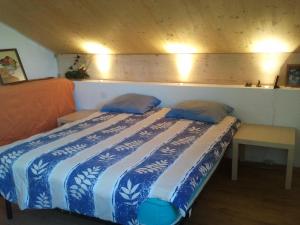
pixel 8 210
pixel 235 158
pixel 289 168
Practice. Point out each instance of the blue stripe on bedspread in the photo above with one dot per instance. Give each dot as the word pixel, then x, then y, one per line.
pixel 81 182
pixel 40 168
pixel 185 191
pixel 135 185
pixel 9 156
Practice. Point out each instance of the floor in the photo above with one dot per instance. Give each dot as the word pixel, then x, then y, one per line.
pixel 257 198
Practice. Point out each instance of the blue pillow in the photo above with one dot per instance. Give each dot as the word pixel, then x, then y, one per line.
pixel 131 103
pixel 205 111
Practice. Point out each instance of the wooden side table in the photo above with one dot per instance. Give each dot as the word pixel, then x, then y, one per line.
pixel 74 116
pixel 266 136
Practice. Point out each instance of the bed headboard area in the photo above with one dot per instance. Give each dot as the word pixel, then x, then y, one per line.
pixel 33 107
pixel 263 105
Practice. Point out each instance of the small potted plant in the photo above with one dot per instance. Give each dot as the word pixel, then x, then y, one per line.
pixel 77 71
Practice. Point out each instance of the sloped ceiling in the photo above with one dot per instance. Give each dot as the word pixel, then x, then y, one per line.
pixel 147 26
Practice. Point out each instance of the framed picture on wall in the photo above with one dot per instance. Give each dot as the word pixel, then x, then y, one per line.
pixel 11 68
pixel 293 75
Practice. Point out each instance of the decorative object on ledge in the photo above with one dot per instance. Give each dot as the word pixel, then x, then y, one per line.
pixel 258 84
pixel 248 84
pixel 293 75
pixel 11 68
pixel 276 86
pixel 77 71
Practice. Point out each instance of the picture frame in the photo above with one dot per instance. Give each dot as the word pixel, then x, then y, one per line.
pixel 293 75
pixel 11 67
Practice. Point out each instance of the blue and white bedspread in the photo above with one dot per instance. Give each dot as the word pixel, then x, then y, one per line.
pixel 106 165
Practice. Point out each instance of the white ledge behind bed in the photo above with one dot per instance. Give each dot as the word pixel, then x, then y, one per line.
pixel 252 105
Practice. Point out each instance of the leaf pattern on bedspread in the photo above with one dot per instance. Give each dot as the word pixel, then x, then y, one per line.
pixel 69 150
pixel 130 193
pixel 129 145
pixel 153 167
pixel 151 149
pixel 168 151
pixel 7 161
pixel 149 169
pixel 133 222
pixel 198 174
pixel 106 157
pixel 105 160
pixel 55 156
pixel 38 168
pixel 42 201
pixel 83 181
pixel 13 153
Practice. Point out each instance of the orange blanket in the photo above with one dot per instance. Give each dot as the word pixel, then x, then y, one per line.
pixel 33 107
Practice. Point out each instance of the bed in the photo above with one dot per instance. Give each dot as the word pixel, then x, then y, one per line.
pixel 124 168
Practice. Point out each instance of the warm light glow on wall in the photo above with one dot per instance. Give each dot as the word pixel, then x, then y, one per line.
pixel 184 58
pixel 270 45
pixel 103 63
pixel 270 61
pixel 179 48
pixel 184 63
pixel 102 57
pixel 95 48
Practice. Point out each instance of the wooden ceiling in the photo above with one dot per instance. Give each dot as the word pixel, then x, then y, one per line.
pixel 146 26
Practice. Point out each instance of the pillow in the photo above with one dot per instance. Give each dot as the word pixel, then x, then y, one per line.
pixel 131 103
pixel 205 111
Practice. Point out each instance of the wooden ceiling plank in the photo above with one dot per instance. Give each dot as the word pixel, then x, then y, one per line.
pixel 145 26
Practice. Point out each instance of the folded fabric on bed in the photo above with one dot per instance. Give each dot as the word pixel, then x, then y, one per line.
pixel 131 103
pixel 107 165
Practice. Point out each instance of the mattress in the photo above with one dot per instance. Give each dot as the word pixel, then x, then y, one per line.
pixel 125 168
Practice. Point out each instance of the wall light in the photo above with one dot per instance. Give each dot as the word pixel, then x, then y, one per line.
pixel 270 45
pixel 103 63
pixel 184 63
pixel 270 63
pixel 184 58
pixel 179 48
pixel 95 48
pixel 102 57
pixel 270 59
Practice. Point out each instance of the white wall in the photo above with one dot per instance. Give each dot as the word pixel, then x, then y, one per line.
pixel 252 105
pixel 38 61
